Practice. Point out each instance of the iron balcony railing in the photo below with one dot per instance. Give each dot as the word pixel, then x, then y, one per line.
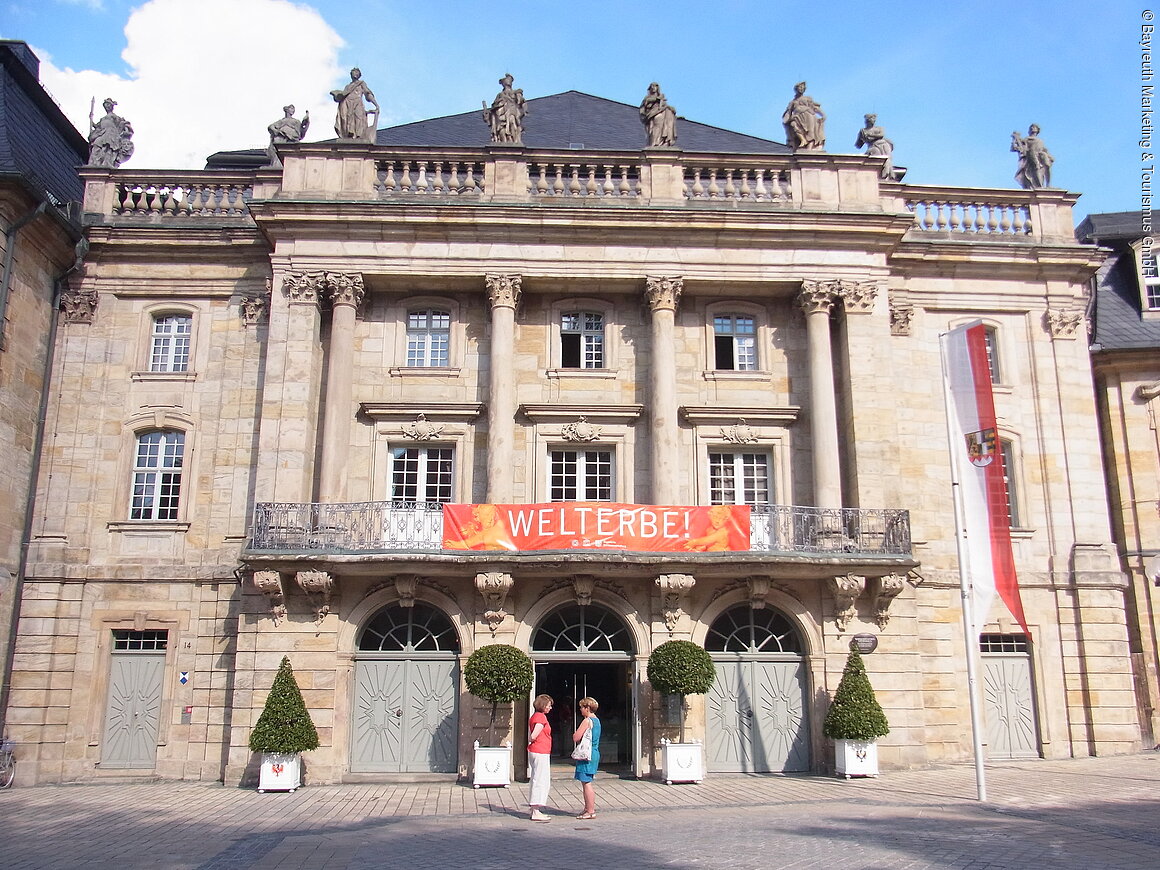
pixel 392 527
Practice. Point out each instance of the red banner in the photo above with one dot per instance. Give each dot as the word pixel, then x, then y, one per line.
pixel 595 526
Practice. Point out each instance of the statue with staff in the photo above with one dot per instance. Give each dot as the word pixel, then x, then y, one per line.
pixel 110 138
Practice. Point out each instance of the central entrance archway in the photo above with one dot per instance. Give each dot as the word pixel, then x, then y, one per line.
pixel 584 651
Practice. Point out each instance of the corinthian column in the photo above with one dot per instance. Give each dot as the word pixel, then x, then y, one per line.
pixel 503 292
pixel 816 300
pixel 346 292
pixel 662 294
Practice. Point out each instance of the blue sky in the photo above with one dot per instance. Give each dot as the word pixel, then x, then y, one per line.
pixel 949 82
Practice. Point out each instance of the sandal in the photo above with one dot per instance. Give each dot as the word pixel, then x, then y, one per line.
pixel 586 816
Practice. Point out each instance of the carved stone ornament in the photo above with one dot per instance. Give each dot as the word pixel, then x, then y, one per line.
pixel 758 589
pixel 422 429
pixel 900 315
pixel 317 585
pixel 78 306
pixel 406 585
pixel 345 288
pixel 494 586
pixel 884 590
pixel 253 308
pixel 817 297
pixel 1148 392
pixel 663 293
pixel 739 433
pixel 503 291
pixel 673 588
pixel 858 297
pixel 581 430
pixel 845 589
pixel 1063 324
pixel 304 287
pixel 582 585
pixel 269 583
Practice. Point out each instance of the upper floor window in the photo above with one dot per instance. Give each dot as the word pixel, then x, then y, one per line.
pixel 422 474
pixel 581 475
pixel 739 478
pixel 991 340
pixel 429 338
pixel 582 340
pixel 157 475
pixel 735 342
pixel 1007 455
pixel 169 346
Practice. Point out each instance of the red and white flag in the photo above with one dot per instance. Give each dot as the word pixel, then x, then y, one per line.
pixel 977 464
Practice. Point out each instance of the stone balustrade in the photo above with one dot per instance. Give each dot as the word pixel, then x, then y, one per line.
pixel 561 178
pixel 738 183
pixel 965 211
pixel 402 177
pixel 168 195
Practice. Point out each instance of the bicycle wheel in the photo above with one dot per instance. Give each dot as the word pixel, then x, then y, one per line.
pixel 7 769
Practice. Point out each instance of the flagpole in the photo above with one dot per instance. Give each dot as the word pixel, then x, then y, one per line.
pixel 969 635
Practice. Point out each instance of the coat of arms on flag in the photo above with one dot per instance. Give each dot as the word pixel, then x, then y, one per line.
pixel 981 447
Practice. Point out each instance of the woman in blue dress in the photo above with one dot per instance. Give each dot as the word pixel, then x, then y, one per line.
pixel 586 770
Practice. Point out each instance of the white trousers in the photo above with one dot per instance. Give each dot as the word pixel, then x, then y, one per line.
pixel 539 778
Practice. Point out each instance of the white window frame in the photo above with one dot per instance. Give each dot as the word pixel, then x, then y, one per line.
pixel 161 475
pixel 425 468
pixel 148 340
pixel 169 349
pixel 739 454
pixel 1149 283
pixel 762 341
pixel 555 344
pixel 397 316
pixel 423 344
pixel 585 454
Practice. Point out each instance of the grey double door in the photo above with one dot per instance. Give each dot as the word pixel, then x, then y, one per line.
pixel 405 716
pixel 1009 706
pixel 756 717
pixel 133 711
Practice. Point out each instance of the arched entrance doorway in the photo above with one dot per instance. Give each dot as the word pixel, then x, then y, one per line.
pixel 406 677
pixel 756 711
pixel 587 651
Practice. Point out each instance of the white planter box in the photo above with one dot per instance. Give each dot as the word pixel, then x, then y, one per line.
pixel 682 762
pixel 855 758
pixel 493 765
pixel 280 772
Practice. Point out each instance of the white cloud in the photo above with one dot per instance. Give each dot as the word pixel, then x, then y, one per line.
pixel 209 75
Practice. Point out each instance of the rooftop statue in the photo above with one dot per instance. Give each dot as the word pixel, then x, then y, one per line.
pixel 110 138
pixel 1034 159
pixel 659 118
pixel 805 122
pixel 505 117
pixel 352 122
pixel 285 130
pixel 874 137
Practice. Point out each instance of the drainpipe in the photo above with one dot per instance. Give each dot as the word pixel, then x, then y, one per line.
pixel 9 256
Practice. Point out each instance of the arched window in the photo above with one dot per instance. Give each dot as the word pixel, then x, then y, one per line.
pixel 420 628
pixel 743 629
pixel 588 629
pixel 157 467
pixel 169 343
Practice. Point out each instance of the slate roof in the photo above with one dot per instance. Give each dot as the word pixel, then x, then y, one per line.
pixel 571 120
pixel 1116 316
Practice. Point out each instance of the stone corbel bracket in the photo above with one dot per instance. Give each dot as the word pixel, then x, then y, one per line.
pixel 269 583
pixel 883 590
pixel 758 589
pixel 318 585
pixel 582 585
pixel 406 585
pixel 494 586
pixel 673 588
pixel 845 589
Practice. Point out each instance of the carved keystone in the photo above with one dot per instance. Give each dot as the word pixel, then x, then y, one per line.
pixel 405 585
pixel 673 588
pixel 758 589
pixel 582 585
pixel 494 586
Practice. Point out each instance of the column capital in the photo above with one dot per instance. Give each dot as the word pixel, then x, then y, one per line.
pixel 818 297
pixel 304 288
pixel 78 306
pixel 503 291
pixel 662 292
pixel 345 288
pixel 858 297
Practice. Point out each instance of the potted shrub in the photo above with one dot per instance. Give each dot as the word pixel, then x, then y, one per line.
pixel 855 721
pixel 284 730
pixel 500 674
pixel 681 668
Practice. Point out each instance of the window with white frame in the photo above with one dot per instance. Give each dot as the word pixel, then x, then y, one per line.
pixel 735 342
pixel 581 475
pixel 739 478
pixel 422 474
pixel 582 340
pixel 157 475
pixel 429 338
pixel 169 344
pixel 1007 455
pixel 991 342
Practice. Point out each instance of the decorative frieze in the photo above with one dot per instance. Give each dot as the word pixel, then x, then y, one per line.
pixel 1063 323
pixel 673 588
pixel 494 586
pixel 503 291
pixel 269 583
pixel 883 591
pixel 78 306
pixel 845 589
pixel 318 586
pixel 663 292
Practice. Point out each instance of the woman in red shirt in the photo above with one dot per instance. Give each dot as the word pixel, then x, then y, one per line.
pixel 539 757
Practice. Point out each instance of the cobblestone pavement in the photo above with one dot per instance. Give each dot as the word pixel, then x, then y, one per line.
pixel 1080 813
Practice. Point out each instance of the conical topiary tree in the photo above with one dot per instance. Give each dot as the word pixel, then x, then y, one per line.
pixel 499 673
pixel 855 713
pixel 680 667
pixel 285 726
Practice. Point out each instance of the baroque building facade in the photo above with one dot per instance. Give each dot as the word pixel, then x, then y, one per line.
pixel 290 373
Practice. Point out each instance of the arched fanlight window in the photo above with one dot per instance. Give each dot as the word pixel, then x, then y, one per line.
pixel 744 629
pixel 588 629
pixel 420 628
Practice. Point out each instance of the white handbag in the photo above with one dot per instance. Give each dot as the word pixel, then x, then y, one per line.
pixel 583 750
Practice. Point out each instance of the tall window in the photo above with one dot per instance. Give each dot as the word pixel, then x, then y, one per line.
pixel 581 475
pixel 735 342
pixel 157 475
pixel 421 474
pixel 169 348
pixel 582 340
pixel 991 340
pixel 738 478
pixel 1007 454
pixel 428 338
